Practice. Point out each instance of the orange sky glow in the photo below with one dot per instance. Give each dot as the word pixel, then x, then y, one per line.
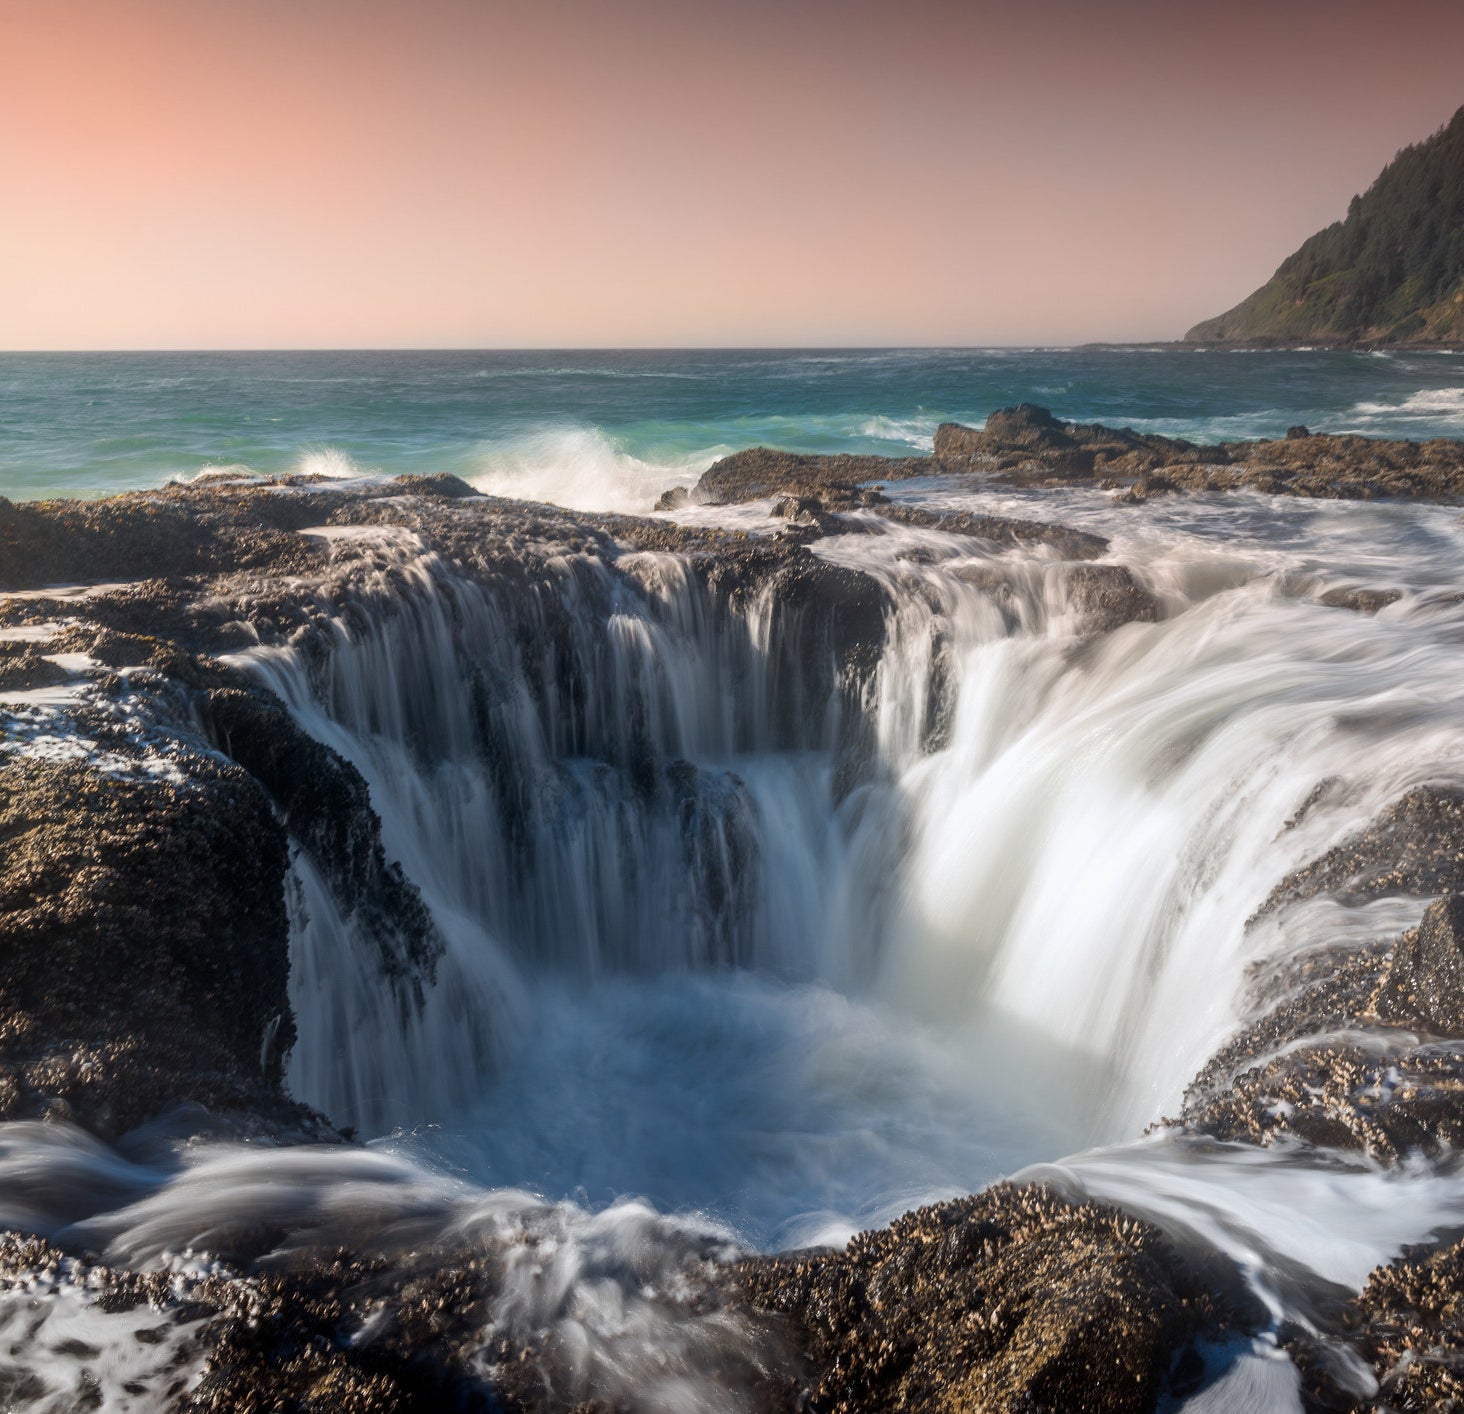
pixel 349 173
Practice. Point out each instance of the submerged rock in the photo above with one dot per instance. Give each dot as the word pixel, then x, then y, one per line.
pixel 1360 600
pixel 1001 530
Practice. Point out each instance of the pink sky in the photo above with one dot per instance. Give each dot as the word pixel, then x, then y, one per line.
pixel 335 173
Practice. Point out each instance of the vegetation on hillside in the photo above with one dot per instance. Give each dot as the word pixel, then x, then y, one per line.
pixel 1392 272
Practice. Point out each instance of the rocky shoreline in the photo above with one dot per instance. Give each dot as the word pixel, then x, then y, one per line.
pixel 1027 446
pixel 142 916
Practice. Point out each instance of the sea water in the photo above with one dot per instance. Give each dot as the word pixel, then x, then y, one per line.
pixel 611 430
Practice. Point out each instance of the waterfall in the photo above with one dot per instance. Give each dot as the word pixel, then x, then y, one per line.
pixel 586 770
pixel 1032 844
pixel 753 925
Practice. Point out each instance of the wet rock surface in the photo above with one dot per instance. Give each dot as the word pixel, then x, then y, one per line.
pixel 765 471
pixel 143 933
pixel 1407 1324
pixel 1027 446
pixel 147 821
pixel 1416 846
pixel 1362 1047
pixel 1424 984
pixel 1108 596
pixel 1016 1299
pixel 144 940
pixel 1001 530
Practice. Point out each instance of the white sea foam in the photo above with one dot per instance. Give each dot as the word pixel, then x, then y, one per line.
pixel 330 462
pixel 918 433
pixel 585 469
pixel 67 1349
pixel 1444 406
pixel 33 632
pixel 66 591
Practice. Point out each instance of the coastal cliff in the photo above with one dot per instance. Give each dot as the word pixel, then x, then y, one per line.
pixel 1391 272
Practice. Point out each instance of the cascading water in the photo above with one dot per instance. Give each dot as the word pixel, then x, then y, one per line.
pixel 699 947
pixel 749 934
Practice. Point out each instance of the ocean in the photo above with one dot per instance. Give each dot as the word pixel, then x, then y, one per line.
pixel 611 430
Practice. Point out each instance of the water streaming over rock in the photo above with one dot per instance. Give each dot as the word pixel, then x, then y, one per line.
pixel 993 818
pixel 789 917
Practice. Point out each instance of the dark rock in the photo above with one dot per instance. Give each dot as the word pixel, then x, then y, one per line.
pixel 174 532
pixel 763 471
pixel 1324 1064
pixel 442 484
pixel 1410 1329
pixel 1424 984
pixel 326 808
pixel 1386 1101
pixel 1028 446
pixel 1000 530
pixel 1108 596
pixel 956 442
pixel 1298 431
pixel 1026 428
pixel 22 668
pixel 1360 600
pixel 1416 846
pixel 673 499
pixel 142 927
pixel 1016 1299
pixel 791 507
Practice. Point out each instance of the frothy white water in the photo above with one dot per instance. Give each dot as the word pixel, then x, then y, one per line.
pixel 66 1350
pixel 1436 405
pixel 1091 844
pixel 598 773
pixel 612 1292
pixel 584 468
pixel 615 1288
pixel 331 462
pixel 1295 1221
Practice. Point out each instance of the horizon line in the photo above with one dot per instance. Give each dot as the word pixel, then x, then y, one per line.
pixel 1034 347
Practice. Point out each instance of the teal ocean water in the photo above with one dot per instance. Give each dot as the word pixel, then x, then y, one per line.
pixel 610 430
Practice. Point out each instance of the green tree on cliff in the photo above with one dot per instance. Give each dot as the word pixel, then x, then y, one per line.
pixel 1392 271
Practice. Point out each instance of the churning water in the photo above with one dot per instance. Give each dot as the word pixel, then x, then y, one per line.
pixel 705 985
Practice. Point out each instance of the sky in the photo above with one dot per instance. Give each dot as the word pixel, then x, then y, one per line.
pixel 622 173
